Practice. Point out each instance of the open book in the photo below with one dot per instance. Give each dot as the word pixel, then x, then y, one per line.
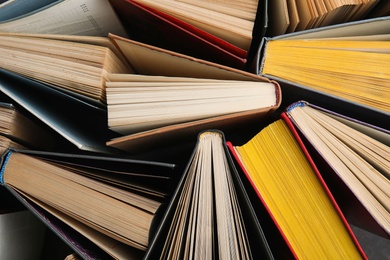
pixel 93 191
pixel 151 26
pixel 358 154
pixel 210 215
pixel 290 187
pixel 345 62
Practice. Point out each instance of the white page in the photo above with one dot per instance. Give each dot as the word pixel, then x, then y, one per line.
pixel 70 17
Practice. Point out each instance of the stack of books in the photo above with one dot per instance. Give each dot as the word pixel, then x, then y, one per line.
pixel 175 129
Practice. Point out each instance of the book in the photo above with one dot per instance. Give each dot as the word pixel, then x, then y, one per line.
pixel 189 68
pixel 69 17
pixel 67 64
pixel 150 26
pixel 210 215
pixel 205 36
pixel 124 65
pixel 290 187
pixel 93 190
pixel 334 63
pixel 358 157
pixel 287 16
pixel 138 103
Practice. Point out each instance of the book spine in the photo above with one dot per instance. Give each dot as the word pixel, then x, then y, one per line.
pixel 3 165
pixel 263 49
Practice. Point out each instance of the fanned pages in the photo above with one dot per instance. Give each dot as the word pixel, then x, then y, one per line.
pixel 205 218
pixel 69 65
pixel 356 70
pixel 347 63
pixel 93 190
pixel 233 21
pixel 160 29
pixel 137 103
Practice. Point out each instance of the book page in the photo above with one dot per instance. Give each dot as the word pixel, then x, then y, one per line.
pixel 293 16
pixel 304 14
pixel 242 9
pixel 86 17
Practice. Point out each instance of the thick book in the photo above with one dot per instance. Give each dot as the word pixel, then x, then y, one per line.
pixel 344 65
pixel 194 70
pixel 70 17
pixel 355 157
pixel 127 78
pixel 149 24
pixel 210 215
pixel 287 182
pixel 74 64
pixel 108 200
